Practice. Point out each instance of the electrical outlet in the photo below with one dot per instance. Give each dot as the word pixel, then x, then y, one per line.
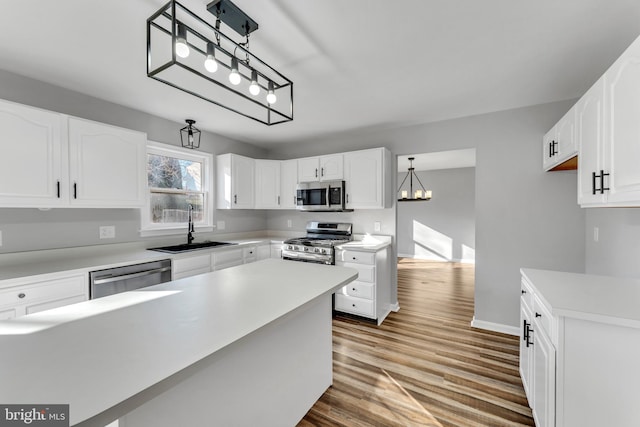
pixel 377 226
pixel 107 231
pixel 596 234
pixel 220 225
pixel 289 223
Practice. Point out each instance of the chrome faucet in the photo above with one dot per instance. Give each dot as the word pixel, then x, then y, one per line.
pixel 190 226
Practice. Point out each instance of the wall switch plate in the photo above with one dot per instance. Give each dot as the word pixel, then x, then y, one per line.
pixel 107 231
pixel 289 223
pixel 596 234
pixel 220 225
pixel 377 226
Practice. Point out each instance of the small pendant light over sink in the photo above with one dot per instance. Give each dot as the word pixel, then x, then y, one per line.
pixel 408 195
pixel 190 135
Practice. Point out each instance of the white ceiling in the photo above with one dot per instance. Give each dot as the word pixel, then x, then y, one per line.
pixel 356 64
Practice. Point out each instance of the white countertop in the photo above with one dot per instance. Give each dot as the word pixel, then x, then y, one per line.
pixel 603 299
pixel 28 264
pixel 98 353
pixel 367 243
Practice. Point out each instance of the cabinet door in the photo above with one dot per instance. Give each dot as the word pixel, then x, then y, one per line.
pixel 308 169
pixel 622 132
pixel 33 165
pixel 544 378
pixel 589 134
pixel 364 179
pixel 267 184
pixel 331 167
pixel 107 165
pixel 288 184
pixel 565 134
pixel 549 148
pixel 242 182
pixel 525 351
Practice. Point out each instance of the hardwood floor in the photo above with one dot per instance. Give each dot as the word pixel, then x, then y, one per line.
pixel 425 365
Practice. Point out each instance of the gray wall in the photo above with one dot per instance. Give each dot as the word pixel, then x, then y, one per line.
pixel 524 216
pixel 33 229
pixel 442 228
pixel 617 251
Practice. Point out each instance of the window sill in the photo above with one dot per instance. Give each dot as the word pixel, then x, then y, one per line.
pixel 151 232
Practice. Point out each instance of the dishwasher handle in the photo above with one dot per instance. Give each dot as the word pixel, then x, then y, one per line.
pixel 109 279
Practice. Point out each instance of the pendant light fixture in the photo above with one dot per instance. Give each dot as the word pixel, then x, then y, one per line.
pixel 190 135
pixel 409 195
pixel 188 53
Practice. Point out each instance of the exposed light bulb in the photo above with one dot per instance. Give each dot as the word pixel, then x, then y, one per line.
pixel 254 88
pixel 190 137
pixel 210 63
pixel 234 77
pixel 182 49
pixel 271 97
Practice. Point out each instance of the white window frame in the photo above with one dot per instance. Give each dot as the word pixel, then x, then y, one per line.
pixel 148 228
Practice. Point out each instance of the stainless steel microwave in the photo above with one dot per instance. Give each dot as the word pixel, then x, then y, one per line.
pixel 321 196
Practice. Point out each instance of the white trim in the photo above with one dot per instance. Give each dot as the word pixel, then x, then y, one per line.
pixel 460 260
pixel 495 327
pixel 394 307
pixel 146 228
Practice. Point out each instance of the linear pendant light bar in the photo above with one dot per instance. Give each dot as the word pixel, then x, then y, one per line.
pixel 210 58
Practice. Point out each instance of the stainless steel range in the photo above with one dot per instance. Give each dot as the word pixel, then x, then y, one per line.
pixel 318 245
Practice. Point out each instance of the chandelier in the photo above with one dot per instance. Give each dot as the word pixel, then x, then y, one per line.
pixel 189 54
pixel 409 195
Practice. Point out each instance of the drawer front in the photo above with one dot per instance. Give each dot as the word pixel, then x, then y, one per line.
pixel 526 293
pixel 190 273
pixel 358 289
pixel 366 273
pixel 8 313
pixel 250 252
pixel 43 291
pixel 542 316
pixel 345 255
pixel 359 306
pixel 227 257
pixel 228 264
pixel 35 308
pixel 192 263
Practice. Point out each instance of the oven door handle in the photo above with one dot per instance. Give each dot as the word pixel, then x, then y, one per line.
pixel 110 279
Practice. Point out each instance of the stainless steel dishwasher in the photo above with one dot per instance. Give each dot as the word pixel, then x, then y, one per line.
pixel 127 278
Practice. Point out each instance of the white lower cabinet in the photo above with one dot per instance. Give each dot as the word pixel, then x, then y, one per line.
pixel 226 258
pixel 369 295
pixel 276 250
pixel 28 297
pixel 191 266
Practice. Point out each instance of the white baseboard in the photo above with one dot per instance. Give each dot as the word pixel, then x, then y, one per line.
pixel 495 327
pixel 394 307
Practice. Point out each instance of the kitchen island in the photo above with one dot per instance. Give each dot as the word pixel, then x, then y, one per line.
pixel 248 345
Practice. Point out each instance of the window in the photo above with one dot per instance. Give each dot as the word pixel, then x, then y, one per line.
pixel 176 179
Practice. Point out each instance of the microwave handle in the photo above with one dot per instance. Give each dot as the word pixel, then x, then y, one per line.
pixel 328 196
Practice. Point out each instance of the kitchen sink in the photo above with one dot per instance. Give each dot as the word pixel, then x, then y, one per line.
pixel 186 247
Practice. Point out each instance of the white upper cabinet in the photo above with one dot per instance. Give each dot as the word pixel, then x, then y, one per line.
pixel 622 128
pixel 33 157
pixel 325 168
pixel 235 182
pixel 267 184
pixel 288 183
pixel 107 165
pixel 609 136
pixel 364 173
pixel 52 160
pixel 590 136
pixel 559 144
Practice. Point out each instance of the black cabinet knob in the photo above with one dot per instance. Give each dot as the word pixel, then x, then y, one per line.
pixel 538 314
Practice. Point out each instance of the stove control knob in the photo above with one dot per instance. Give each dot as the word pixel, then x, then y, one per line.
pixel 306 249
pixel 317 250
pixel 290 248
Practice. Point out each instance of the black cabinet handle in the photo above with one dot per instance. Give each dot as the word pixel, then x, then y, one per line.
pixel 529 332
pixel 321 171
pixel 554 144
pixel 58 188
pixel 538 314
pixel 523 292
pixel 593 183
pixel 278 200
pixel 75 190
pixel 316 172
pixel 235 199
pixel 602 188
pixel 22 295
